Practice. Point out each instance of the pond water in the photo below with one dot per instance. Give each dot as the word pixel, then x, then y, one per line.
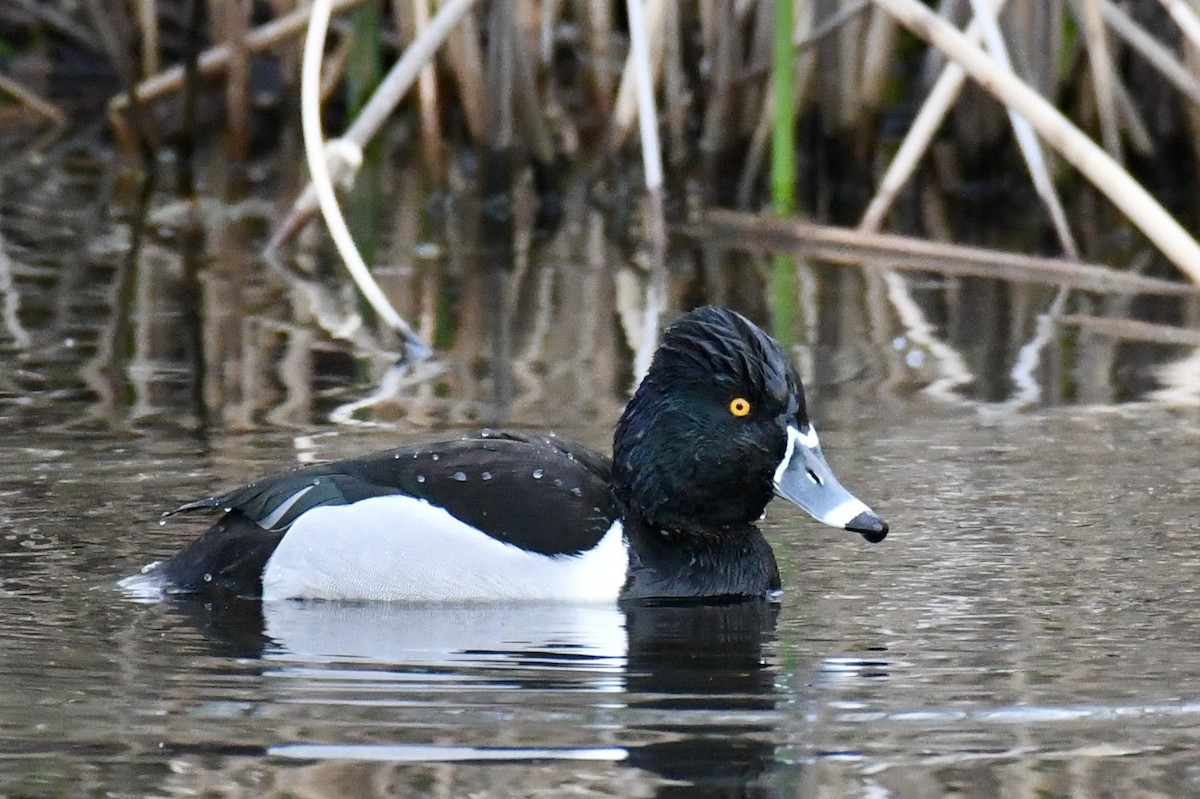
pixel 1029 628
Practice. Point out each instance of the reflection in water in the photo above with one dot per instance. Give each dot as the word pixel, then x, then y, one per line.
pixel 684 692
pixel 525 325
pixel 1031 630
pixel 1034 632
pixel 712 662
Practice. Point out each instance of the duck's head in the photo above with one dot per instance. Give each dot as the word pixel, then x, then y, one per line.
pixel 717 427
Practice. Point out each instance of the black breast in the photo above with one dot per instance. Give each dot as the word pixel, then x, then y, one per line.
pixel 674 565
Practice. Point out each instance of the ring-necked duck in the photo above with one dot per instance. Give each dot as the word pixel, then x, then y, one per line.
pixel 717 426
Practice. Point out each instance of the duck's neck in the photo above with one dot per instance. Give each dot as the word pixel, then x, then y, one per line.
pixel 666 564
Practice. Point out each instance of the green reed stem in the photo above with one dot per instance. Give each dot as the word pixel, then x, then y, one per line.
pixel 783 167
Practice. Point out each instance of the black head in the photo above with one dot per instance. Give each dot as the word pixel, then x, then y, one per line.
pixel 717 426
pixel 699 442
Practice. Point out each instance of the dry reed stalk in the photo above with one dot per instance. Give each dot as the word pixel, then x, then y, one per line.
pixel 1157 54
pixel 851 246
pixel 841 57
pixel 916 142
pixel 185 140
pixel 1121 189
pixel 427 93
pixel 499 82
pixel 724 66
pixel 675 88
pixel 625 109
pixel 404 19
pixel 1132 330
pixel 530 114
pixel 805 35
pixel 138 134
pixel 806 59
pixel 234 26
pixel 639 55
pixel 316 153
pixel 147 11
pixel 810 35
pixel 1031 149
pixel 1100 61
pixel 466 64
pixel 336 64
pixel 58 22
pixel 216 59
pixel 344 154
pixel 1131 119
pixel 31 100
pixel 757 149
pixel 1185 17
pixel 599 29
pixel 1036 29
pixel 878 52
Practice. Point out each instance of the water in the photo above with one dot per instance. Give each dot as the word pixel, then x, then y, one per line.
pixel 1030 628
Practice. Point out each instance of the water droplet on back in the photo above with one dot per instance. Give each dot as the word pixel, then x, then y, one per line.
pixel 434 456
pixel 537 474
pixel 577 491
pixel 459 476
pixel 486 475
pixel 420 478
pixel 207 577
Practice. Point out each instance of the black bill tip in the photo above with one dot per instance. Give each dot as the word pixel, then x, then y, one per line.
pixel 869 526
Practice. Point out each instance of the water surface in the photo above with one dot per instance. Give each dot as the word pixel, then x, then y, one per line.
pixel 1030 628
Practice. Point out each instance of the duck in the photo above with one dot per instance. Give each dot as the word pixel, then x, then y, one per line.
pixel 716 429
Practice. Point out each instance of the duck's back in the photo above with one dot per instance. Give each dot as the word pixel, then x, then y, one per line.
pixel 490 516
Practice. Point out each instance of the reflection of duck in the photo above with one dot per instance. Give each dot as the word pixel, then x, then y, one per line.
pixel 717 427
pixel 446 634
pixel 683 691
pixel 708 660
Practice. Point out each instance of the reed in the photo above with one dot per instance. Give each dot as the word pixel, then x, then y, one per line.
pixel 364 202
pixel 761 102
pixel 783 165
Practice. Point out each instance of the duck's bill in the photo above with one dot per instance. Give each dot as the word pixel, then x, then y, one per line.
pixel 804 478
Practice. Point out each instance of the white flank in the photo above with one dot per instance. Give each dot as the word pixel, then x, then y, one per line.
pixel 398 548
pixel 844 513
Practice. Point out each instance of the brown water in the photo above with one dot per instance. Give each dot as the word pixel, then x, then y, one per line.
pixel 1030 628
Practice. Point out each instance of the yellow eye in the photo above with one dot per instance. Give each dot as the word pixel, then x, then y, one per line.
pixel 740 406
